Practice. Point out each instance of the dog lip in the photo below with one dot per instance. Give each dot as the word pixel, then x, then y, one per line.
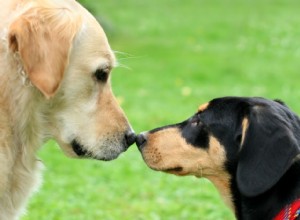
pixel 81 152
pixel 179 171
pixel 175 169
pixel 78 148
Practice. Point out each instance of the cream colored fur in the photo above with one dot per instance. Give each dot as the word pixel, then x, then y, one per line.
pixel 49 50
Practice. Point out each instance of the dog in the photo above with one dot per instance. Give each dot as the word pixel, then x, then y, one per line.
pixel 249 148
pixel 55 67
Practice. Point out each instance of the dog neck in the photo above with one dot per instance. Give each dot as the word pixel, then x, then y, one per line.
pixel 23 107
pixel 21 135
pixel 290 212
pixel 270 203
pixel 223 186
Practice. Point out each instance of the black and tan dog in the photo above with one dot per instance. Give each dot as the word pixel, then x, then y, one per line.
pixel 248 147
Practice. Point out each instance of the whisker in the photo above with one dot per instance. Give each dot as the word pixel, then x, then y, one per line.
pixel 125 55
pixel 122 66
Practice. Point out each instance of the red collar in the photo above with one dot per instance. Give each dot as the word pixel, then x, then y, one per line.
pixel 290 212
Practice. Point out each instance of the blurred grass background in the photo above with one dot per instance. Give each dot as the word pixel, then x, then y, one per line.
pixel 173 55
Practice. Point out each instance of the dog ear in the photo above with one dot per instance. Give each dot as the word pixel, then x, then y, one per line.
pixel 267 151
pixel 43 39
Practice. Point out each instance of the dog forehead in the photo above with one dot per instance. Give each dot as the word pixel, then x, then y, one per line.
pixel 91 50
pixel 92 37
pixel 226 107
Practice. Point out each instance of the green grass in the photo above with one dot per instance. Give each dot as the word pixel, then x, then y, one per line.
pixel 177 54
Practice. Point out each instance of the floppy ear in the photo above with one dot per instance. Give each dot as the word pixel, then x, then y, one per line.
pixel 43 39
pixel 267 151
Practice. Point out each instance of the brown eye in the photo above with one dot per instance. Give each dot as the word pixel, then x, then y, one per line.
pixel 101 75
pixel 196 121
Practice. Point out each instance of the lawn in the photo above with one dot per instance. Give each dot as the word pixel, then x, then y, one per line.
pixel 173 55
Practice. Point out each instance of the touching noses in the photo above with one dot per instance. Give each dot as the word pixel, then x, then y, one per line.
pixel 130 138
pixel 141 139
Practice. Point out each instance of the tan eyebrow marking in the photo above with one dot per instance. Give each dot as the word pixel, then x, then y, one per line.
pixel 245 125
pixel 203 107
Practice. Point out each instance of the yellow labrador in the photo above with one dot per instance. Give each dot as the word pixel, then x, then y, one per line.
pixel 55 64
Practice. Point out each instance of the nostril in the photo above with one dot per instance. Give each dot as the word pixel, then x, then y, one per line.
pixel 130 138
pixel 140 140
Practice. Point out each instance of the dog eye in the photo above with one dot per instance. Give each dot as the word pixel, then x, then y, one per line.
pixel 101 75
pixel 196 123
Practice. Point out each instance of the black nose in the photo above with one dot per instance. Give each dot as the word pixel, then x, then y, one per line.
pixel 140 140
pixel 130 138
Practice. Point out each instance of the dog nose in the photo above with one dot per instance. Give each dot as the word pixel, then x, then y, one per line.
pixel 141 139
pixel 130 138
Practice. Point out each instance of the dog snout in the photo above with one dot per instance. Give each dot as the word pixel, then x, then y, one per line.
pixel 141 139
pixel 130 138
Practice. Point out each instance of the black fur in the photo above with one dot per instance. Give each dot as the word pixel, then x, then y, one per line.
pixel 265 168
pixel 265 173
pixel 195 132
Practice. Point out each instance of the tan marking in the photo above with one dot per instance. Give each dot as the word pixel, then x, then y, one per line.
pixel 166 149
pixel 217 153
pixel 245 125
pixel 203 107
pixel 220 178
pixel 223 187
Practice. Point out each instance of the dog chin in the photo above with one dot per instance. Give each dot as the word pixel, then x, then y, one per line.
pixel 82 152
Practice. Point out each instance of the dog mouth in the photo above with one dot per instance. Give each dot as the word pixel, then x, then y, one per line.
pixel 79 149
pixel 81 152
pixel 179 171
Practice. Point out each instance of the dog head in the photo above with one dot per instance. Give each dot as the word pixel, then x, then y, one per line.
pixel 249 141
pixel 65 54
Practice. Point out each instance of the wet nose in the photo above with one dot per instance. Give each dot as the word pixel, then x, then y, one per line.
pixel 141 139
pixel 130 138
